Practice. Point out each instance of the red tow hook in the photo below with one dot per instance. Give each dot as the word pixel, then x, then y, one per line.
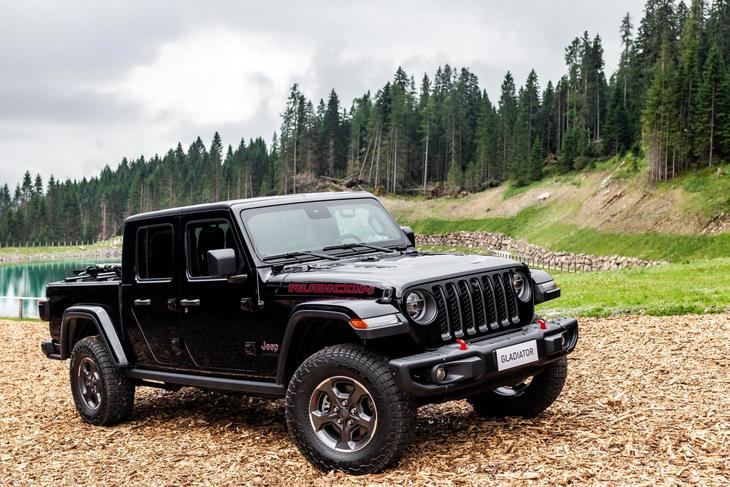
pixel 541 322
pixel 462 344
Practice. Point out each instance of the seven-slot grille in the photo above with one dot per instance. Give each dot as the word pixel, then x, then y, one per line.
pixel 475 305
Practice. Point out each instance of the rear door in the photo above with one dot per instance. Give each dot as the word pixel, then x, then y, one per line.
pixel 217 315
pixel 152 316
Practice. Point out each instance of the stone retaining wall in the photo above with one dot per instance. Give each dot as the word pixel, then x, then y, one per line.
pixel 522 250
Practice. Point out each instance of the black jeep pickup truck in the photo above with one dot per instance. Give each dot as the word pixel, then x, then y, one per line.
pixel 321 299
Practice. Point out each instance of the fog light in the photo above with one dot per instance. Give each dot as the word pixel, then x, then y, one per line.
pixel 440 373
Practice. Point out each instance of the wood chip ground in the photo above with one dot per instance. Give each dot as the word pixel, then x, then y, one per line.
pixel 647 402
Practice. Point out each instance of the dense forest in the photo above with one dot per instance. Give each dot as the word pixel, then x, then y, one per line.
pixel 669 99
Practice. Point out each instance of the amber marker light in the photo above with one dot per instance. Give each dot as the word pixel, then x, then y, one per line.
pixel 358 323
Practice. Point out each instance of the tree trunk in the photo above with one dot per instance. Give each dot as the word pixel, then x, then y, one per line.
pixel 395 162
pixel 377 159
pixel 425 159
pixel 294 179
pixel 712 122
pixel 598 113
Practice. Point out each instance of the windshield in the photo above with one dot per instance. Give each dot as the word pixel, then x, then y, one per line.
pixel 318 225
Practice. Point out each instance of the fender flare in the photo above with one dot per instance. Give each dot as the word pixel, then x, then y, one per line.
pixel 343 310
pixel 104 325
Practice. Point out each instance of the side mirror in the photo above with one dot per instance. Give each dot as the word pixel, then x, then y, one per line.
pixel 222 262
pixel 409 235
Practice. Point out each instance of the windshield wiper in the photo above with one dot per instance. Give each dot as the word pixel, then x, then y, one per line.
pixel 300 253
pixel 359 244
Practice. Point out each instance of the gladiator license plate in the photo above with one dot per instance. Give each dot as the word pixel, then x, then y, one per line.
pixel 516 355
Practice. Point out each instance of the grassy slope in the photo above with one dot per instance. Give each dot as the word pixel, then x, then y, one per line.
pixel 704 195
pixel 697 280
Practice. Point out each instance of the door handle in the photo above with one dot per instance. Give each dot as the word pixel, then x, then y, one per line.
pixel 189 302
pixel 143 302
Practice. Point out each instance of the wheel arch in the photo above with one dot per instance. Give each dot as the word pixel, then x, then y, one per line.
pixel 331 319
pixel 305 325
pixel 82 321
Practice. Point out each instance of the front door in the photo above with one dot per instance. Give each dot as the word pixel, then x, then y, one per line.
pixel 217 318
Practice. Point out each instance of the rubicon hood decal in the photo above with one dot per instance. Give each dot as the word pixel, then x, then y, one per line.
pixel 329 288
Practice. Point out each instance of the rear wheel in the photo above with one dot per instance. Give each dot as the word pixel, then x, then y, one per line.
pixel 345 412
pixel 103 395
pixel 527 398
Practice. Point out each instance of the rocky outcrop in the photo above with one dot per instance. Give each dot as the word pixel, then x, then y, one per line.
pixel 534 254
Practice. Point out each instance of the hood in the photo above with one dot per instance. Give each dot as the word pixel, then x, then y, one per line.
pixel 397 272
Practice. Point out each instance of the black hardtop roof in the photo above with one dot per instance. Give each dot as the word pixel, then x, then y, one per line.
pixel 257 202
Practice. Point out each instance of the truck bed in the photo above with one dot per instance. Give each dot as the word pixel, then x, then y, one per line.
pixel 98 284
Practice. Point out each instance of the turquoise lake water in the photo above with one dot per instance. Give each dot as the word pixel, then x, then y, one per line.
pixel 29 280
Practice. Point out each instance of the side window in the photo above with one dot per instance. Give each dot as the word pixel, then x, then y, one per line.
pixel 154 258
pixel 204 236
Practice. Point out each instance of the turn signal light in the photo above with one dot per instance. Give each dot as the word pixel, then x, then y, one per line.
pixel 358 323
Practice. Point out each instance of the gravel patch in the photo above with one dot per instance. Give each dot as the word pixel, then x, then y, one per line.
pixel 647 402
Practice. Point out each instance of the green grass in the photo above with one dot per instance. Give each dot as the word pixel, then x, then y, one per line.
pixel 513 189
pixel 59 250
pixel 698 287
pixel 708 192
pixel 674 289
pixel 537 226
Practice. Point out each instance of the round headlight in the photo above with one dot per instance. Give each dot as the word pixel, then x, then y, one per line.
pixel 420 306
pixel 416 305
pixel 521 286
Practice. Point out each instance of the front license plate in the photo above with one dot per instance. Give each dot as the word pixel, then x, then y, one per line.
pixel 516 355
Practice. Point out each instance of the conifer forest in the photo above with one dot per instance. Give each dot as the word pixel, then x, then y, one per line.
pixel 668 103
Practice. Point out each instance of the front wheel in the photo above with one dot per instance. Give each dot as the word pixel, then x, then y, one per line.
pixel 345 412
pixel 528 398
pixel 103 395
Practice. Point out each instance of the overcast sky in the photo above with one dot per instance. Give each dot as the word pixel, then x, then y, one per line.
pixel 83 84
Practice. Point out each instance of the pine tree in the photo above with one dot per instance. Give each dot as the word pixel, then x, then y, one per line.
pixel 710 93
pixel 718 27
pixel 549 120
pixel 659 118
pixel 534 170
pixel 622 127
pixel 426 111
pixel 485 169
pixel 27 188
pixel 689 80
pixel 215 161
pixel 334 147
pixel 507 116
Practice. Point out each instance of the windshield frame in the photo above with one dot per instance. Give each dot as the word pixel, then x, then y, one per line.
pixel 401 242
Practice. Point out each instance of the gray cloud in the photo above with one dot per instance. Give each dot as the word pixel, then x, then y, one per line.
pixel 69 101
pixel 43 103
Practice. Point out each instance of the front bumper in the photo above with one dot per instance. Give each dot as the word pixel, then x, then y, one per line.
pixel 475 369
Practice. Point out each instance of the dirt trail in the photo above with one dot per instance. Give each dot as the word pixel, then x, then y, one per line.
pixel 643 405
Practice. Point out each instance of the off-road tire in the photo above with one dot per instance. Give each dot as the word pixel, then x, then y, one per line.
pixel 116 391
pixel 539 394
pixel 396 412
